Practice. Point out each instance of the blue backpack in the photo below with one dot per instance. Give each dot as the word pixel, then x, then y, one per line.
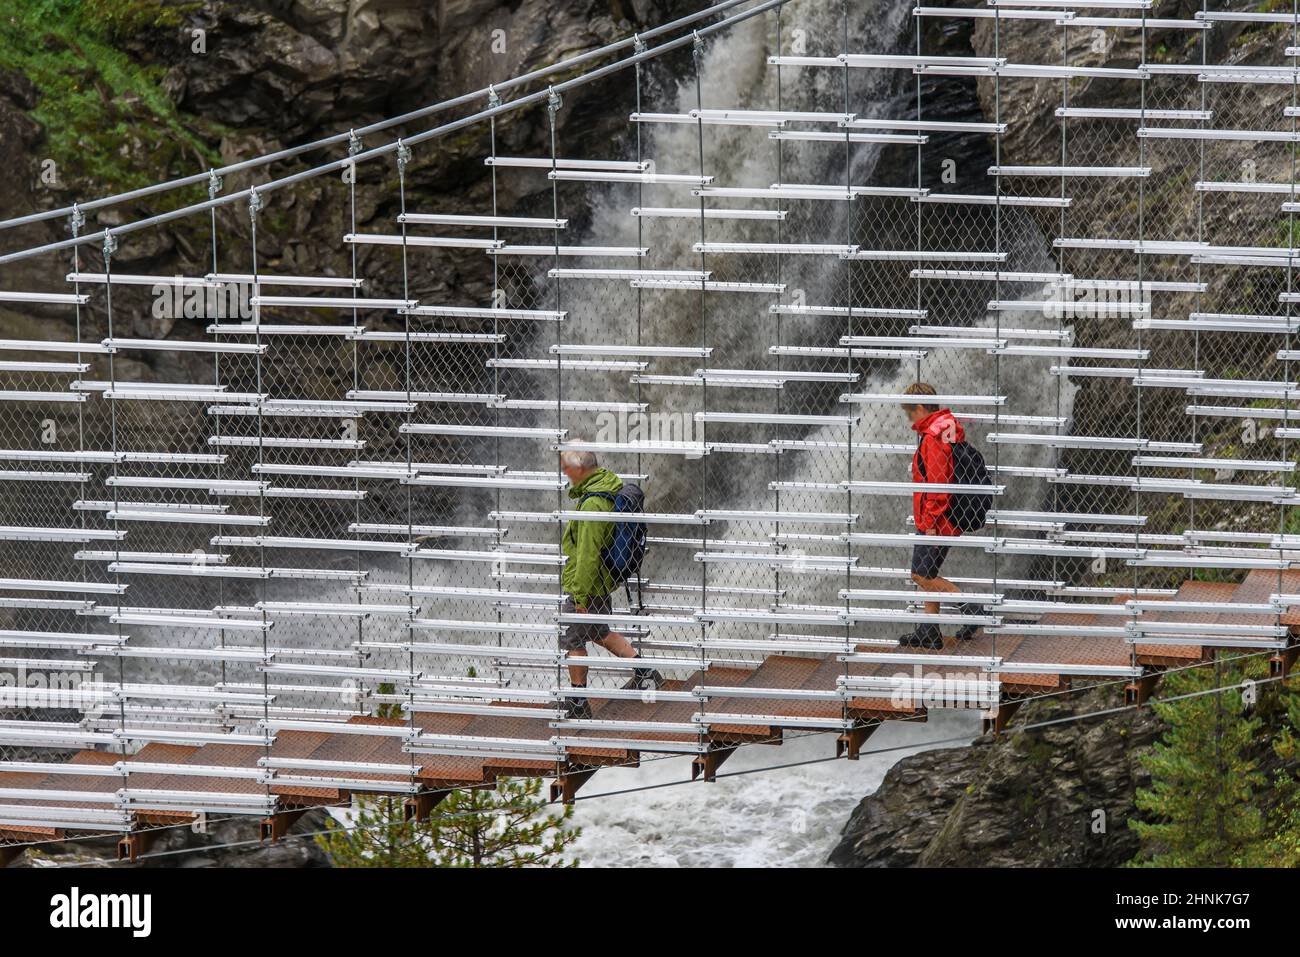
pixel 623 555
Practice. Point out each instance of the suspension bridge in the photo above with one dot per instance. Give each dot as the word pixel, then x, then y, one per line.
pixel 306 545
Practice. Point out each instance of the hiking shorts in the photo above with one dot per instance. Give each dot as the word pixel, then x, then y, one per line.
pixel 928 559
pixel 575 637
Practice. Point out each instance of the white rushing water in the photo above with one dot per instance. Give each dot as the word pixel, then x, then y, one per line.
pixel 786 816
pixel 790 817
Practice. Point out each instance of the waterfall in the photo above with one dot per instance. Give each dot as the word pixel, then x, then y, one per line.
pixel 781 816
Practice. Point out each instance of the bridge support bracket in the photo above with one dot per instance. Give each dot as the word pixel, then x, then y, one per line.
pixel 706 765
pixel 565 787
pixel 276 826
pixel 1138 691
pixel 1280 664
pixel 1002 715
pixel 132 844
pixel 421 805
pixel 849 744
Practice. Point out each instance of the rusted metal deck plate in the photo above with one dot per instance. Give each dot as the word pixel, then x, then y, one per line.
pixel 159 753
pixel 347 747
pixel 781 671
pixel 218 755
pixel 444 771
pixel 1152 653
pixel 1077 651
pixel 1291 586
pixel 777 671
pixel 650 708
pixel 61 782
pixel 91 784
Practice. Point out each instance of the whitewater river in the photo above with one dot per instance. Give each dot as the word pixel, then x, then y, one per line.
pixel 789 817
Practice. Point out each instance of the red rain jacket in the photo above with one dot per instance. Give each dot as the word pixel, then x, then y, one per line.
pixel 938 430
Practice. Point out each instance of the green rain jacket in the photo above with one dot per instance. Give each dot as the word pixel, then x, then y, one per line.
pixel 585 576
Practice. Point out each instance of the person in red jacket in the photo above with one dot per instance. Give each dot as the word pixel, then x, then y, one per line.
pixel 932 464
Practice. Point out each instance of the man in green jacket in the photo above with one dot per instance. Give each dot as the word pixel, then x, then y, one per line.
pixel 586 580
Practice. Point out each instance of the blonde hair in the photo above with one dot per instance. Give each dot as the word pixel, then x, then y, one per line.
pixel 921 388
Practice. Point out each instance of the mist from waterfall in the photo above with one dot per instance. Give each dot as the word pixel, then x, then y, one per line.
pixel 791 815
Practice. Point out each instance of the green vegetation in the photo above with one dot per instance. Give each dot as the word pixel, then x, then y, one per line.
pixel 93 96
pixel 1204 779
pixel 379 836
pixel 1284 844
pixel 511 826
pixel 1210 803
pixel 1288 232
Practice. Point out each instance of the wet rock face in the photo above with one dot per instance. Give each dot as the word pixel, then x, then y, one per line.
pixel 277 73
pixel 19 136
pixel 1059 796
pixel 293 66
pixel 230 842
pixel 894 826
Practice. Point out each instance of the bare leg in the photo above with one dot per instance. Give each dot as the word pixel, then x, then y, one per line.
pixel 933 584
pixel 617 645
pixel 578 673
pixel 614 643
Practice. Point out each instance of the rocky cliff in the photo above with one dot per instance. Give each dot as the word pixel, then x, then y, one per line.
pixel 169 94
pixel 1057 796
pixel 228 842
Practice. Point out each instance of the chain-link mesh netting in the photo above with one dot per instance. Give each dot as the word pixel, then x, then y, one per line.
pixel 342 534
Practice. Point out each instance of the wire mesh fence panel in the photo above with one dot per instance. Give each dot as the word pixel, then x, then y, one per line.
pixel 623 457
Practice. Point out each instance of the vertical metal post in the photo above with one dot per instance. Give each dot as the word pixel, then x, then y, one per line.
pixel 697 55
pixel 1142 297
pixel 997 284
pixel 404 160
pixel 110 247
pixel 355 147
pixel 214 187
pixel 255 205
pixel 848 359
pixel 553 104
pixel 494 101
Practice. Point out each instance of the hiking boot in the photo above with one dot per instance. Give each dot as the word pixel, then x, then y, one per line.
pixel 577 709
pixel 925 636
pixel 647 679
pixel 967 632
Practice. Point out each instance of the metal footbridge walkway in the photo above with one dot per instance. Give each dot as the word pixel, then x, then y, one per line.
pixel 306 545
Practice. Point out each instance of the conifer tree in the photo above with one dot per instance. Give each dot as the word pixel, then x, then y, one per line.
pixel 379 835
pixel 511 826
pixel 1201 809
pixel 1284 841
pixel 508 827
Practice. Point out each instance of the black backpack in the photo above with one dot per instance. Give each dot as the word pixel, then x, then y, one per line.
pixel 625 551
pixel 967 510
